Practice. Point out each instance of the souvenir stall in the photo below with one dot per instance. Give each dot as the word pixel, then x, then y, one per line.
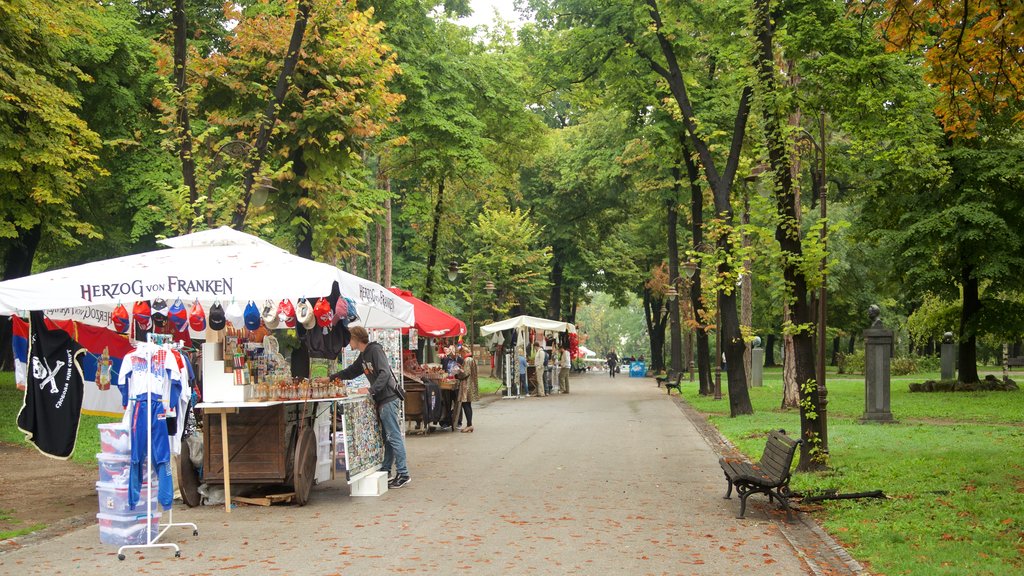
pixel 216 279
pixel 522 331
pixel 430 387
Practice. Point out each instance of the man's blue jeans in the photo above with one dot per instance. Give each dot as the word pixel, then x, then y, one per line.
pixel 394 444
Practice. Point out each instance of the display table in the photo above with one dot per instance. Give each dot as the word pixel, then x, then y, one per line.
pixel 258 431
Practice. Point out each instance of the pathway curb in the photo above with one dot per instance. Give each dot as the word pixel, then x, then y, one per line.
pixel 827 557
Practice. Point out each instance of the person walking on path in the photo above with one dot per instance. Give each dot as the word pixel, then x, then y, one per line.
pixel 373 363
pixel 613 362
pixel 538 369
pixel 565 363
pixel 469 389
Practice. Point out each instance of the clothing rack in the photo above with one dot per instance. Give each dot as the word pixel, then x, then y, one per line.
pixel 165 341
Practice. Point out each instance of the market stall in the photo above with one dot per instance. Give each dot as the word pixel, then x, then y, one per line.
pixel 430 388
pixel 241 375
pixel 523 331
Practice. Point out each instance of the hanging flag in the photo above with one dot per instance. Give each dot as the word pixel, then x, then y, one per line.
pixel 97 401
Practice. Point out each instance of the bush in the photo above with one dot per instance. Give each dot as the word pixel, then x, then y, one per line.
pixel 850 363
pixel 903 365
pixel 928 363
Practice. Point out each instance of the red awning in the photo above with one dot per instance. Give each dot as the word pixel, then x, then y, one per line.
pixel 431 322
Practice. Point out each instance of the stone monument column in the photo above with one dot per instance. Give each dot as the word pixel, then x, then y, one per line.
pixel 757 363
pixel 948 357
pixel 878 345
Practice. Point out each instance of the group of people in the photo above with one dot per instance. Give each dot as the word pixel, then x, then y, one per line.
pixel 549 365
pixel 459 362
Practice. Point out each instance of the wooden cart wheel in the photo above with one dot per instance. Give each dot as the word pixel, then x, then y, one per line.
pixel 305 465
pixel 188 478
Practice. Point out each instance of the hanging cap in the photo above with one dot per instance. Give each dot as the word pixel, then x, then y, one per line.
pixel 178 316
pixel 159 311
pixel 323 313
pixel 286 313
pixel 235 315
pixel 197 317
pixel 353 313
pixel 217 316
pixel 252 316
pixel 142 314
pixel 341 311
pixel 304 314
pixel 270 315
pixel 120 318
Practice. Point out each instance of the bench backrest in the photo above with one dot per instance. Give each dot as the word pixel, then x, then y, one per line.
pixel 778 455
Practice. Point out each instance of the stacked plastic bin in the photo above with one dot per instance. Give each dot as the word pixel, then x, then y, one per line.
pixel 120 525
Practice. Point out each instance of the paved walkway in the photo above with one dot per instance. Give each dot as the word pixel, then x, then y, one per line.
pixel 612 479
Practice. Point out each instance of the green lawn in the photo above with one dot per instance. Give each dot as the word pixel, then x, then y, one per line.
pixel 10 404
pixel 953 467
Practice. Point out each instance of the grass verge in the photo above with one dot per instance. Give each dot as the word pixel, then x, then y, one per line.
pixel 953 468
pixel 87 445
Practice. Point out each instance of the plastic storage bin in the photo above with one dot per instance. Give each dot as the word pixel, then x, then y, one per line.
pixel 125 529
pixel 114 499
pixel 114 438
pixel 114 468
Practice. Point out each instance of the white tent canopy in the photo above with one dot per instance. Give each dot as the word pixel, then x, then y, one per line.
pixel 527 322
pixel 212 265
pixel 587 352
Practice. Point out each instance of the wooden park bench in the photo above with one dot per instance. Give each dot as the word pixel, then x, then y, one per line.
pixel 769 476
pixel 670 380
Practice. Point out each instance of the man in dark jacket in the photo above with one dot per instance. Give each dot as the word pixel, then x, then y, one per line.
pixel 373 363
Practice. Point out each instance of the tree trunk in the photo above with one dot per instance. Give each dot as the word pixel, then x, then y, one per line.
pixel 655 330
pixel 377 268
pixel 696 303
pixel 184 128
pixel 721 187
pixel 17 264
pixel 271 113
pixel 432 251
pixel 672 210
pixel 968 341
pixel 853 344
pixel 769 352
pixel 747 287
pixel 555 299
pixel 304 246
pixel 835 351
pixel 788 234
pixel 388 235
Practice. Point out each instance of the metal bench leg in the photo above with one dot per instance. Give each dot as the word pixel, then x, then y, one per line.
pixel 728 493
pixel 743 504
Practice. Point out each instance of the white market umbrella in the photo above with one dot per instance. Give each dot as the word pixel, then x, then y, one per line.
pixel 209 266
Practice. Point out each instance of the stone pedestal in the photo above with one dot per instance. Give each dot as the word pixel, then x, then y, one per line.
pixel 877 356
pixel 757 367
pixel 948 356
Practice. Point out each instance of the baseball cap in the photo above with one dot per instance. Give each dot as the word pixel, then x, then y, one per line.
pixel 353 312
pixel 251 316
pixel 120 318
pixel 217 317
pixel 234 314
pixel 159 311
pixel 197 317
pixel 269 315
pixel 142 314
pixel 286 313
pixel 323 312
pixel 178 316
pixel 304 314
pixel 341 311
